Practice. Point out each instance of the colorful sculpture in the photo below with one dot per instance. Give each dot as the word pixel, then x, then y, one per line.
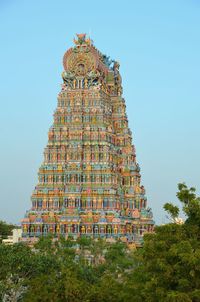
pixel 89 182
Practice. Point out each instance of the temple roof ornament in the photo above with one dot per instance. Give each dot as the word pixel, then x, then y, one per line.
pixel 85 62
pixel 82 40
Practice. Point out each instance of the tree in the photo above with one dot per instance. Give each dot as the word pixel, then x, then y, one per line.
pixel 168 265
pixel 5 229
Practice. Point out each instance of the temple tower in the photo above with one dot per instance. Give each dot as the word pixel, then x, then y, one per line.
pixel 89 181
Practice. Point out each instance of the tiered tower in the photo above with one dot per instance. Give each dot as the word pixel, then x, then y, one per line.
pixel 89 182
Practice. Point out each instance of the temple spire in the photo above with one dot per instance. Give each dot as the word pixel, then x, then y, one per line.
pixel 89 181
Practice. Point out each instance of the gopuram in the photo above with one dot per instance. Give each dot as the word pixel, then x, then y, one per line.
pixel 89 181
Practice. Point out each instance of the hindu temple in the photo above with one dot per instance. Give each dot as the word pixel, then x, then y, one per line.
pixel 89 181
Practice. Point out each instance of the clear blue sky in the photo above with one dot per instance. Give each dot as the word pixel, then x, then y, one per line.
pixel 158 45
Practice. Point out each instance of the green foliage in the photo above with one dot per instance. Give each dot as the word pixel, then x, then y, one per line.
pixel 172 210
pixel 5 229
pixel 169 262
pixel 191 204
pixel 165 269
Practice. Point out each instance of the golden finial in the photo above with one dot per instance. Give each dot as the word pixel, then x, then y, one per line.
pixel 82 40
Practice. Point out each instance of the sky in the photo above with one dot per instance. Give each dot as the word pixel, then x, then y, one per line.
pixel 157 44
